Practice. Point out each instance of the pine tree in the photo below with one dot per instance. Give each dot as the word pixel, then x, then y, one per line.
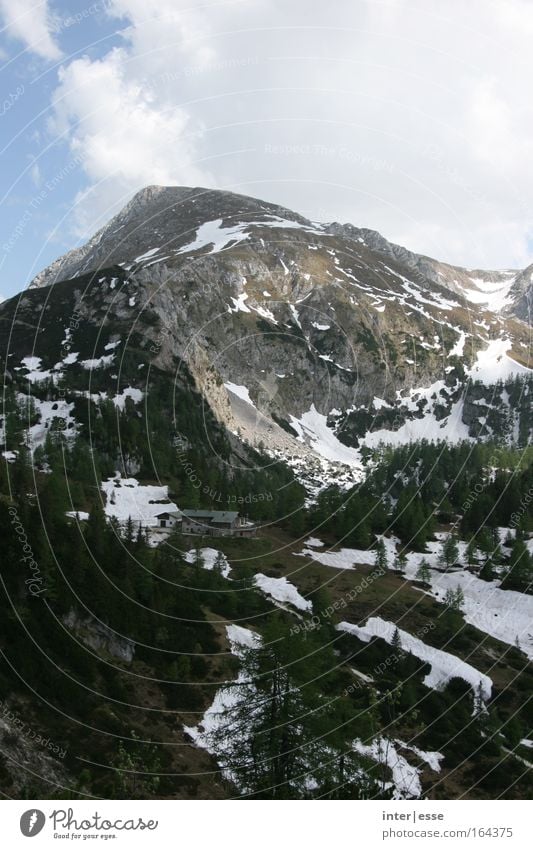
pixel 400 561
pixel 219 566
pixel 129 531
pixel 449 553
pixel 519 574
pixel 381 561
pixel 396 642
pixel 454 599
pixel 487 573
pixel 423 573
pixel 471 552
pixel 279 734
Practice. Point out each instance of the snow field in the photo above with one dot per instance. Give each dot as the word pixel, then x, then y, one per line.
pixel 126 497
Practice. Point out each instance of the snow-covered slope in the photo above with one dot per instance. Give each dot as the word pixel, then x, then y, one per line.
pixel 504 614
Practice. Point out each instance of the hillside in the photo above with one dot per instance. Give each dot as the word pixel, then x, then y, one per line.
pixel 369 410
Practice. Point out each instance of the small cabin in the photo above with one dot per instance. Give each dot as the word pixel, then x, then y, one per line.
pixel 169 519
pixel 216 523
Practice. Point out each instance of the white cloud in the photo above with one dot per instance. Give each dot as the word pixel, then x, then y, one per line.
pixel 186 29
pixel 124 139
pixel 32 23
pixel 412 119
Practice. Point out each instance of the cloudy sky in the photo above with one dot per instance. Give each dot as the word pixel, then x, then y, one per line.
pixel 412 117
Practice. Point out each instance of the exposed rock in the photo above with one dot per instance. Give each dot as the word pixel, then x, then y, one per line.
pixel 304 319
pixel 28 756
pixel 99 637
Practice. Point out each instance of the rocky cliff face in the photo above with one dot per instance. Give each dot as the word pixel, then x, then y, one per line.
pixel 99 637
pixel 521 296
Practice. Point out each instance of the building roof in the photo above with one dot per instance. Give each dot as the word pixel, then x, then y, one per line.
pixel 212 515
pixel 176 514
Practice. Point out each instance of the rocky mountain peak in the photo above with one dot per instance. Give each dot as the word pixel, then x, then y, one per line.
pixel 162 222
pixel 160 217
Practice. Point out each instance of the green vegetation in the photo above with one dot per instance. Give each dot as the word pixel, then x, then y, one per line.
pixel 102 632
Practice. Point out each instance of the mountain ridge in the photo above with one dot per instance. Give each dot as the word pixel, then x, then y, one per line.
pixel 314 341
pixel 159 201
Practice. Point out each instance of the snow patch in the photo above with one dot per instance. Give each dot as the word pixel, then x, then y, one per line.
pixel 126 497
pixel 239 304
pixel 241 392
pixel 494 364
pixel 444 666
pixel 314 542
pixel 505 615
pixel 209 557
pixel 147 255
pixel 280 589
pixel 312 427
pixel 346 558
pixel 136 396
pixel 405 778
pixel 99 362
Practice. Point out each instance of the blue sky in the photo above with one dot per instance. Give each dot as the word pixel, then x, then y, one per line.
pixel 411 118
pixel 39 179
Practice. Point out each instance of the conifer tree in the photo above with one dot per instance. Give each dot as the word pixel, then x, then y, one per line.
pixel 381 562
pixel 400 561
pixel 279 733
pixel 423 573
pixel 396 641
pixel 519 574
pixel 449 552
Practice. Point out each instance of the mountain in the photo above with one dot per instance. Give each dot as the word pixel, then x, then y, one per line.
pixel 310 341
pixel 162 216
pixel 167 216
pixel 368 412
